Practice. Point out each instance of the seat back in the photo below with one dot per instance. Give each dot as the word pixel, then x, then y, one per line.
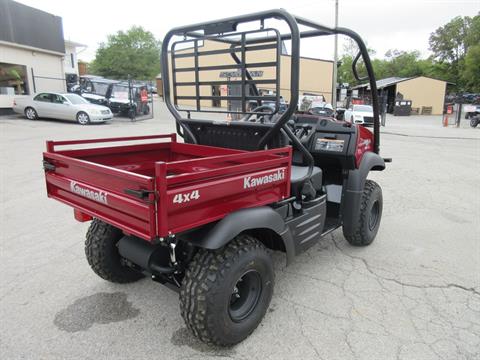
pixel 232 135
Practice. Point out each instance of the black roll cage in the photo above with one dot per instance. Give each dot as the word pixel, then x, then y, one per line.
pixel 229 25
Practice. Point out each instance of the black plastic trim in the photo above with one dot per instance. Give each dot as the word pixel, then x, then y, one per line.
pixel 353 189
pixel 263 217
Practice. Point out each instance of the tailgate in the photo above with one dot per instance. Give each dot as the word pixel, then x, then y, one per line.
pixel 110 194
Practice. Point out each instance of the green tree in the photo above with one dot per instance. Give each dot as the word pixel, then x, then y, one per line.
pixel 473 32
pixel 344 72
pixel 471 73
pixel 450 43
pixel 402 63
pixel 349 51
pixel 456 57
pixel 135 52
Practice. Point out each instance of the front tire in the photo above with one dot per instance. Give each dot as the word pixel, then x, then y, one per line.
pixel 31 113
pixel 225 293
pixel 368 220
pixel 102 254
pixel 83 118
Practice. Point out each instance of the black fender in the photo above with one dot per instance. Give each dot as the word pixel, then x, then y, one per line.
pixel 353 189
pixel 233 224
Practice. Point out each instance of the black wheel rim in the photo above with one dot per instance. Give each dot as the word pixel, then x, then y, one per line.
pixel 245 295
pixel 374 214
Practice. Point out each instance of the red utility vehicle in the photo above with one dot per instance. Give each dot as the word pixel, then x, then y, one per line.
pixel 201 215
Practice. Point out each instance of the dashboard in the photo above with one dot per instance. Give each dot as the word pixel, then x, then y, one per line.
pixel 329 141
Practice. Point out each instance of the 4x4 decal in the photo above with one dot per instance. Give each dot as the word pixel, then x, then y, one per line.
pixel 186 197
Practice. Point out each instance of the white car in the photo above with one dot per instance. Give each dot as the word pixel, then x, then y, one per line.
pixel 61 106
pixel 359 114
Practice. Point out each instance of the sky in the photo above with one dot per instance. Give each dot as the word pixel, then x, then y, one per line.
pixel 388 24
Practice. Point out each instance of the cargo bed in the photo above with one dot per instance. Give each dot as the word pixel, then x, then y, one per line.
pixel 155 189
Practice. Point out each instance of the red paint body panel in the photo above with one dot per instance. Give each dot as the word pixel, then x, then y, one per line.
pixel 364 144
pixel 186 185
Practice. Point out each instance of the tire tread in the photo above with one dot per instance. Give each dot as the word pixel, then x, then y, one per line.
pixel 207 269
pixel 359 237
pixel 100 257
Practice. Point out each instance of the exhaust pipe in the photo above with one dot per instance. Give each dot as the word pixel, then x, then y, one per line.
pixel 145 255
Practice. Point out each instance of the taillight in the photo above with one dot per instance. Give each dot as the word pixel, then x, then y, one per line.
pixel 80 216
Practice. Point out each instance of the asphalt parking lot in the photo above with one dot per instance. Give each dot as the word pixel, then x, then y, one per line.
pixel 413 294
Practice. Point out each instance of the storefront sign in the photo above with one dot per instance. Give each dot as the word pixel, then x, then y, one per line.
pixel 238 73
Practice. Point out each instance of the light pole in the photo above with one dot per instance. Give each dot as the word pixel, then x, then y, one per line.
pixel 335 60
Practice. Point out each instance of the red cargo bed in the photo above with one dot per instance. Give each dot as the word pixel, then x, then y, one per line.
pixel 155 189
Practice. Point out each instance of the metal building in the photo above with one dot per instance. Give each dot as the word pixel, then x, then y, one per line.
pixel 427 94
pixel 34 56
pixel 315 74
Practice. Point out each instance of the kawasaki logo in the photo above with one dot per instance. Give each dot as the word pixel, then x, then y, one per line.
pixel 99 196
pixel 251 182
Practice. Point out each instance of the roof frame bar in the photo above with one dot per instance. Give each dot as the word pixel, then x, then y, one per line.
pixel 295 35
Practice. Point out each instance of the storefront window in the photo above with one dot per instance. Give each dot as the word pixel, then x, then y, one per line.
pixel 13 79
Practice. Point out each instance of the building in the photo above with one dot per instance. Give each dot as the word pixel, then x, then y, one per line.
pixel 315 74
pixel 70 60
pixel 427 94
pixel 159 83
pixel 34 56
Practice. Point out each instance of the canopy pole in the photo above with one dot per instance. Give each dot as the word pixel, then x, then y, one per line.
pixel 335 61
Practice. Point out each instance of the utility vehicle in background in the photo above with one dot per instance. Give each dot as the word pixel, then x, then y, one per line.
pixel 121 97
pixel 471 111
pixel 202 215
pixel 475 120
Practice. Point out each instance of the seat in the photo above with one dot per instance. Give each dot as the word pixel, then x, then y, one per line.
pixel 233 135
pixel 297 184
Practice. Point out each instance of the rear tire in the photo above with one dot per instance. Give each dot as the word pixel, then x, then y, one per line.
pixel 368 221
pixel 474 122
pixel 225 293
pixel 31 113
pixel 102 254
pixel 83 118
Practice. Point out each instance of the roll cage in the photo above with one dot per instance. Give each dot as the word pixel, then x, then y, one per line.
pixel 225 31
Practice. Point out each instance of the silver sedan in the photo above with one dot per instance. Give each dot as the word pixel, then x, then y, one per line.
pixel 61 106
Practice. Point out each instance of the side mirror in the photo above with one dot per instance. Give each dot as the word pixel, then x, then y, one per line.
pixel 65 102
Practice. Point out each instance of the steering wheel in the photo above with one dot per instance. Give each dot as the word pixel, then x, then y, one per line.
pixel 261 107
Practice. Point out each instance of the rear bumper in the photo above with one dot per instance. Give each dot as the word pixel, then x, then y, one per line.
pixel 18 110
